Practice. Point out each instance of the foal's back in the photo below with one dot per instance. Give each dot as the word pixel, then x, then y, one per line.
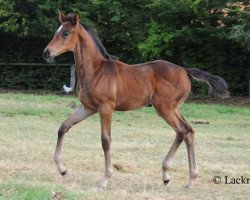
pixel 142 84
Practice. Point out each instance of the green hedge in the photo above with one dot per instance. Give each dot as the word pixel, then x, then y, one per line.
pixel 34 77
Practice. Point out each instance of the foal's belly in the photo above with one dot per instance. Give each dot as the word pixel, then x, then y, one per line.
pixel 134 94
pixel 128 106
pixel 132 103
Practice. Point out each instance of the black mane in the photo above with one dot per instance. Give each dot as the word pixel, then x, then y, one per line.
pixel 95 37
pixel 97 41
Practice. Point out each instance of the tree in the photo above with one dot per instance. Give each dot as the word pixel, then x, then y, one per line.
pixel 199 34
pixel 207 34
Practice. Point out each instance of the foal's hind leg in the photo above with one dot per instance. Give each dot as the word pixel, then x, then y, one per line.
pixel 79 114
pixel 171 118
pixel 189 140
pixel 183 131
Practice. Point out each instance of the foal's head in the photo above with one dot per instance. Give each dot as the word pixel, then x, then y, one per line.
pixel 65 38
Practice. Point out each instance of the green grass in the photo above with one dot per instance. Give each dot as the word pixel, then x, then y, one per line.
pixel 140 140
pixel 16 191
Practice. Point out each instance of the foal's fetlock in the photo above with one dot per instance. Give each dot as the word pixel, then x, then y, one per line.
pixel 62 170
pixel 191 181
pixel 190 184
pixel 60 167
pixel 108 174
pixel 165 178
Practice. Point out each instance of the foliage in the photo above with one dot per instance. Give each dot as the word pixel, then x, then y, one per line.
pixel 33 77
pixel 207 34
pixel 239 34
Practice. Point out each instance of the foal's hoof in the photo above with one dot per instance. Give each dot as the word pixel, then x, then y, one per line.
pixel 64 173
pixel 101 188
pixel 189 186
pixel 102 185
pixel 166 182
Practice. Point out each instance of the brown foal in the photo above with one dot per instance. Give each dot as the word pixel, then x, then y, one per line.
pixel 105 85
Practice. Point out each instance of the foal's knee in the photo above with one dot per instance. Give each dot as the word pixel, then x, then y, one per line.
pixel 106 140
pixel 62 130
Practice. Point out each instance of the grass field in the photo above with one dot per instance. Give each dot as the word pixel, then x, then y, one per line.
pixel 140 140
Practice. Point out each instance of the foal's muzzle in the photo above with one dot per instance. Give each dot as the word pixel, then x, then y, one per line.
pixel 47 56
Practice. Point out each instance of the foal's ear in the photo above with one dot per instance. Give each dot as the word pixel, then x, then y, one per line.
pixel 62 17
pixel 76 18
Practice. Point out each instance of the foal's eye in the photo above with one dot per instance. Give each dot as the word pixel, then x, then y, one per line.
pixel 66 34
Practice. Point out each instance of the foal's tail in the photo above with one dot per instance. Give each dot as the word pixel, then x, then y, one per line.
pixel 217 85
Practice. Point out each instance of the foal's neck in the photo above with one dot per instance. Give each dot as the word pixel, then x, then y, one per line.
pixel 87 57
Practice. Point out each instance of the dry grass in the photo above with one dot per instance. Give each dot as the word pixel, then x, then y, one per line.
pixel 140 139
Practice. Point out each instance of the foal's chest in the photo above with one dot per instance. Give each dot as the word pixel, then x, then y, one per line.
pixel 86 98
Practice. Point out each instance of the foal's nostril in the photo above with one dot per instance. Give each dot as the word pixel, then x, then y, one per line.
pixel 46 54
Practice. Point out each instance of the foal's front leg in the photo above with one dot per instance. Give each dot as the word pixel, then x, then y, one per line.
pixel 106 117
pixel 79 114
